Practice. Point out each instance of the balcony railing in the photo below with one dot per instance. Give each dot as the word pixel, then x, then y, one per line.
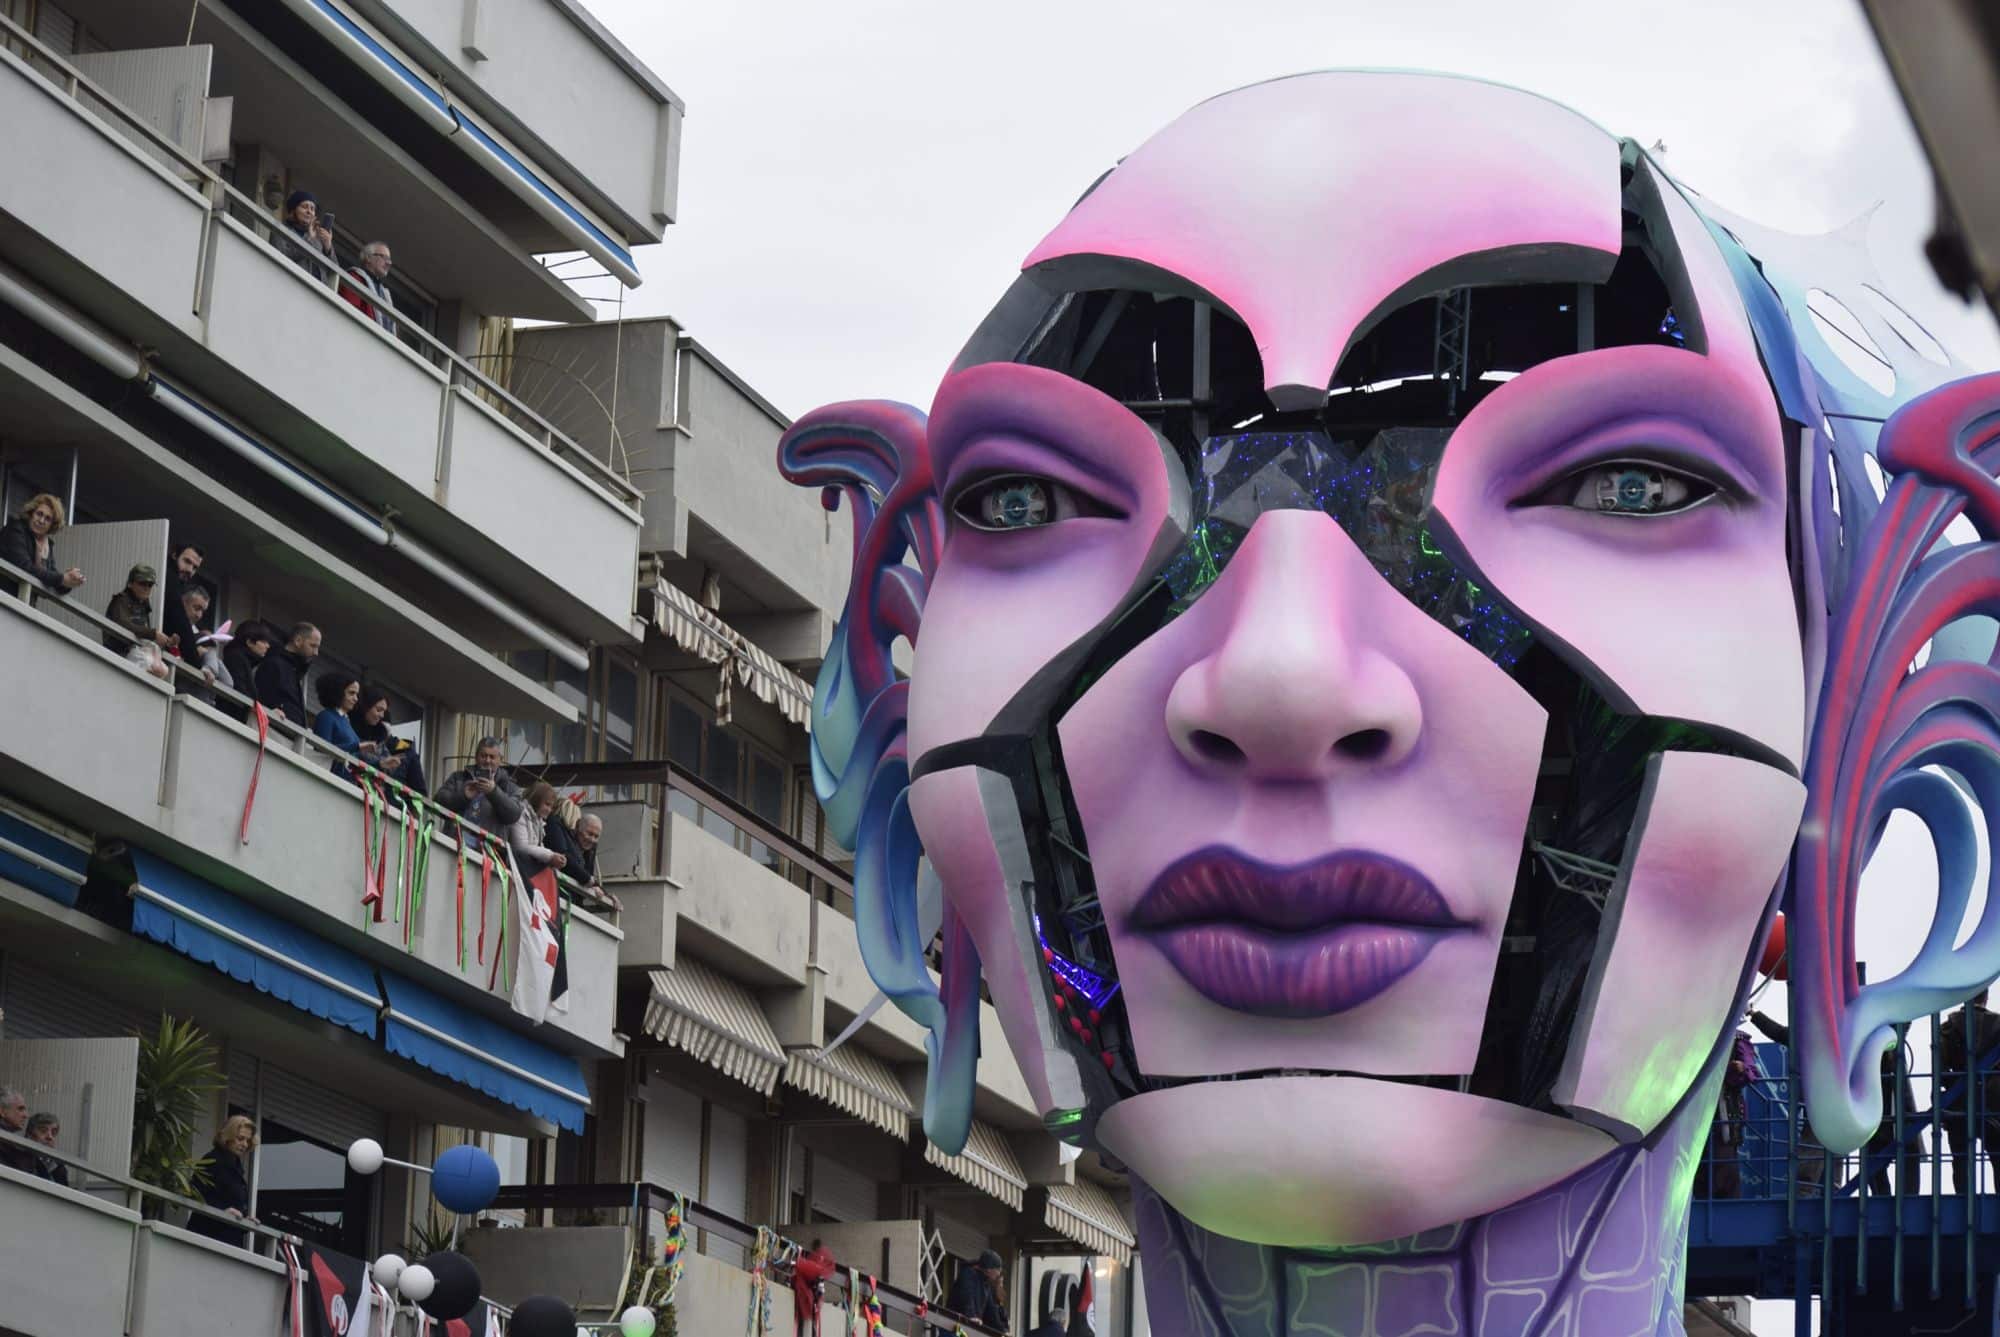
pixel 643 1207
pixel 224 200
pixel 394 804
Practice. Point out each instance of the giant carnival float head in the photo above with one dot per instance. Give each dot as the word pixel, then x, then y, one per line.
pixel 1401 592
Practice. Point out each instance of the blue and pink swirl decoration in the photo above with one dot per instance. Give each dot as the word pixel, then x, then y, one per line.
pixel 1897 444
pixel 874 454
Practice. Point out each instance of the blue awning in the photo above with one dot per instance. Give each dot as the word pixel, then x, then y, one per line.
pixel 292 964
pixel 39 861
pixel 455 1042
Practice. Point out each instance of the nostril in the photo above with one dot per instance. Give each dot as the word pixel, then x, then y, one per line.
pixel 1214 747
pixel 1363 745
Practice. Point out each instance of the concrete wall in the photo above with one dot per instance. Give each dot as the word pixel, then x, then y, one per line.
pixel 734 911
pixel 539 73
pixel 89 188
pixel 184 1285
pixel 65 1259
pixel 580 1264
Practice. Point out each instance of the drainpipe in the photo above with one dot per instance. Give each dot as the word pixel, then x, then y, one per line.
pixel 125 362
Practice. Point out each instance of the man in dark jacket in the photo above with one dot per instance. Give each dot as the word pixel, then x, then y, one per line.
pixel 281 675
pixel 1959 1047
pixel 14 1119
pixel 175 619
pixel 976 1292
pixel 132 609
pixel 482 794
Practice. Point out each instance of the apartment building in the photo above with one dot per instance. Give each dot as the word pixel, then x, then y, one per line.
pixel 175 369
pixel 739 958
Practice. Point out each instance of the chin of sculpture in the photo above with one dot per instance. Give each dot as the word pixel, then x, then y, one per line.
pixel 1392 623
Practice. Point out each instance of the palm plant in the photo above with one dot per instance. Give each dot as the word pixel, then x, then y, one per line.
pixel 428 1236
pixel 178 1074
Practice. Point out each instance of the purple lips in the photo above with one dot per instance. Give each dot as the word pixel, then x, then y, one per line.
pixel 1305 941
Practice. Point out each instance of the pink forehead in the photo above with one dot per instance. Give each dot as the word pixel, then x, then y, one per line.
pixel 1304 203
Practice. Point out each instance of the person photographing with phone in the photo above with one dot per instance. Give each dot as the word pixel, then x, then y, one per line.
pixel 482 794
pixel 308 236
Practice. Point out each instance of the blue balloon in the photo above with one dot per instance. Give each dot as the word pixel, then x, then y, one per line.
pixel 465 1180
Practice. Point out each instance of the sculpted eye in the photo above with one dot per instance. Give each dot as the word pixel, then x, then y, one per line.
pixel 1019 501
pixel 1626 487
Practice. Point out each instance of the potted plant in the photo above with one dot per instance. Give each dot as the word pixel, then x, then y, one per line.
pixel 178 1074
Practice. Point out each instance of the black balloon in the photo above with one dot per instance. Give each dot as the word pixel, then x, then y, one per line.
pixel 542 1316
pixel 457 1288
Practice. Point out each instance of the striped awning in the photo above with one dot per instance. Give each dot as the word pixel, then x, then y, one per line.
pixel 854 1080
pixel 1084 1212
pixel 702 633
pixel 697 1008
pixel 988 1163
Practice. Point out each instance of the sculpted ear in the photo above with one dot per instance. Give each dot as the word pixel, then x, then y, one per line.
pixel 874 454
pixel 1885 739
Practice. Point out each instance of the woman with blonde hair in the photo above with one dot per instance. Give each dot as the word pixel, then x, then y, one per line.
pixel 24 542
pixel 227 1186
pixel 529 834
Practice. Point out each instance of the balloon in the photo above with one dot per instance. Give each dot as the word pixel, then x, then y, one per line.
pixel 1774 962
pixel 456 1289
pixel 542 1316
pixel 638 1321
pixel 415 1283
pixel 465 1180
pixel 388 1269
pixel 364 1155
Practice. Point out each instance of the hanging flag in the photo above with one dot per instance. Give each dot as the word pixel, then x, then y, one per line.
pixel 339 1306
pixel 256 769
pixel 1082 1323
pixel 541 971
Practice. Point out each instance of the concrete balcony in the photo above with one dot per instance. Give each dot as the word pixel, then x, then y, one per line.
pixel 113 751
pixel 399 422
pixel 73 1263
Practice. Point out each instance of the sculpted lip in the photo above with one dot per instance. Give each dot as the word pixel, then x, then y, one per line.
pixel 1310 940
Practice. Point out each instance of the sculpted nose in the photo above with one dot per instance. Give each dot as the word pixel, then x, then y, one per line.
pixel 1294 688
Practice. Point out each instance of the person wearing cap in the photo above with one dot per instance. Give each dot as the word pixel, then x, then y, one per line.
pixel 132 609
pixel 976 1292
pixel 304 239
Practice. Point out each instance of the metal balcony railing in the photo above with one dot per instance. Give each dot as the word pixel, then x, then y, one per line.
pixel 225 200
pixel 643 1207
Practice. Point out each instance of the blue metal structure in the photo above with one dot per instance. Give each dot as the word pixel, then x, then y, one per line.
pixel 1888 1249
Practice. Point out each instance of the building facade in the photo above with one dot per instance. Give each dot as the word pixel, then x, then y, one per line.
pixel 569 535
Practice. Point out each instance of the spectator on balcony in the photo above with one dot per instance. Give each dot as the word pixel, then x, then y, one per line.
pixel 529 835
pixel 1962 1048
pixel 481 794
pixel 368 291
pixel 976 1293
pixel 14 1119
pixel 281 676
pixel 304 240
pixel 25 541
pixel 46 1128
pixel 379 744
pixel 227 1187
pixel 132 610
pixel 188 635
pixel 583 838
pixel 241 656
pixel 184 561
pixel 338 694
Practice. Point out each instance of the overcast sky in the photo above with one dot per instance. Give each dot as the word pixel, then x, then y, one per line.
pixel 861 180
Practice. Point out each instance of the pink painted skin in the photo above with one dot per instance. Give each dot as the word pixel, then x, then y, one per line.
pixel 1300 644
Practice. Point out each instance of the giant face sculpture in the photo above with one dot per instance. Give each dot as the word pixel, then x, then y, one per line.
pixel 1368 630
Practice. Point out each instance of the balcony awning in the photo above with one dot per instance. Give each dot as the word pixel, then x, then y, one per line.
pixel 41 861
pixel 988 1163
pixel 696 1008
pixel 854 1080
pixel 701 633
pixel 1084 1212
pixel 476 1051
pixel 292 964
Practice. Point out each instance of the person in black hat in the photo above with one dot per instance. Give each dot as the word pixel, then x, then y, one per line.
pixel 976 1292
pixel 306 238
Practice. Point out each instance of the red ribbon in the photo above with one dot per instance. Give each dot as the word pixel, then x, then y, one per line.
pixel 257 769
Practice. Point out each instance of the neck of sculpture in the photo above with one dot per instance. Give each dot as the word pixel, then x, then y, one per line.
pixel 1600 1252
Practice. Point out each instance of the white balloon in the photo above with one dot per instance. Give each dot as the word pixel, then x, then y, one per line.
pixel 388 1268
pixel 638 1321
pixel 364 1155
pixel 416 1283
